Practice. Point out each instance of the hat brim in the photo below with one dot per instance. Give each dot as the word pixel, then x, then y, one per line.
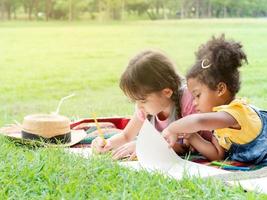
pixel 76 137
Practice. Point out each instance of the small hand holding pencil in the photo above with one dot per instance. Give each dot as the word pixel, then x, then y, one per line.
pixel 100 144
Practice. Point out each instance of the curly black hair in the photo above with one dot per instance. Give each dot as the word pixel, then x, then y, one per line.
pixel 218 61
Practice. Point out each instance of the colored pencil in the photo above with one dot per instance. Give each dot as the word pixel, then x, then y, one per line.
pixel 236 168
pixel 220 164
pixel 229 167
pixel 100 132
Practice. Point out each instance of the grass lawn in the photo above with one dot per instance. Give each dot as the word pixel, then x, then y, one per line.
pixel 42 62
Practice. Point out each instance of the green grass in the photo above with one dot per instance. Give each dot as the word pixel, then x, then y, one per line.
pixel 42 62
pixel 53 174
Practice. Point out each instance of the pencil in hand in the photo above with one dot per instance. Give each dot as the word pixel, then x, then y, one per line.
pixel 100 132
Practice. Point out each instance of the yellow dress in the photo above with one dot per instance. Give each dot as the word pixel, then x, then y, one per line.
pixel 246 117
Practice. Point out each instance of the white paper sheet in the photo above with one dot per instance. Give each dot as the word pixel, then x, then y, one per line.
pixel 153 153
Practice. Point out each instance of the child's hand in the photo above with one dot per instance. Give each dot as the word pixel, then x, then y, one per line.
pixel 100 145
pixel 170 137
pixel 126 150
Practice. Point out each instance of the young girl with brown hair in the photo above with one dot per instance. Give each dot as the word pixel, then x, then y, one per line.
pixel 151 82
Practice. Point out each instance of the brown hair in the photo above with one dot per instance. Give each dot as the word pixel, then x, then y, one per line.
pixel 218 61
pixel 151 71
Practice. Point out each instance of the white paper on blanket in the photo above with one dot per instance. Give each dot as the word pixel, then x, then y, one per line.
pixel 257 184
pixel 153 153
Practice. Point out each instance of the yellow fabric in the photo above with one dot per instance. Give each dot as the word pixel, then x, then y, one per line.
pixel 246 117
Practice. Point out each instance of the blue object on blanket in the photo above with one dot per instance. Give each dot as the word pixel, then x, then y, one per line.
pixel 235 168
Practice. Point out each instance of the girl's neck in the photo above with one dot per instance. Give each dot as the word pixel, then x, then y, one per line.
pixel 229 99
pixel 163 115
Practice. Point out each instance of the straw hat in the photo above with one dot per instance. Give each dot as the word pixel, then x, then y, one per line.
pixel 49 130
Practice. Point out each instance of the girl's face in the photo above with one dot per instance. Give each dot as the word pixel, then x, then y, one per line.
pixel 204 98
pixel 156 102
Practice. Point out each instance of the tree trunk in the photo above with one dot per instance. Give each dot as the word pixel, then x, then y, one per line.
pixel 209 10
pixel 2 11
pixel 30 12
pixel 8 9
pixel 182 9
pixel 48 9
pixel 122 9
pixel 224 11
pixel 15 13
pixel 36 6
pixel 157 8
pixel 7 6
pixel 197 8
pixel 70 10
pixel 100 8
pixel 8 14
pixel 108 10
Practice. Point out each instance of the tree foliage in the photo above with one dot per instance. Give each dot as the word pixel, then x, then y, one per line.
pixel 118 9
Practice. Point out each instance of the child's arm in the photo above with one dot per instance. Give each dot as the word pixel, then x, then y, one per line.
pixel 197 122
pixel 127 135
pixel 203 121
pixel 211 150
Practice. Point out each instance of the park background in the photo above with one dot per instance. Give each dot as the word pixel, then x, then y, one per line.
pixel 52 48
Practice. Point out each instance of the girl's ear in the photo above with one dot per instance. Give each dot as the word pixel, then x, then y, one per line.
pixel 167 92
pixel 221 88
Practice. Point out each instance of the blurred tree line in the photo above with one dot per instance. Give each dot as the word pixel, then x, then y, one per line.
pixel 123 9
